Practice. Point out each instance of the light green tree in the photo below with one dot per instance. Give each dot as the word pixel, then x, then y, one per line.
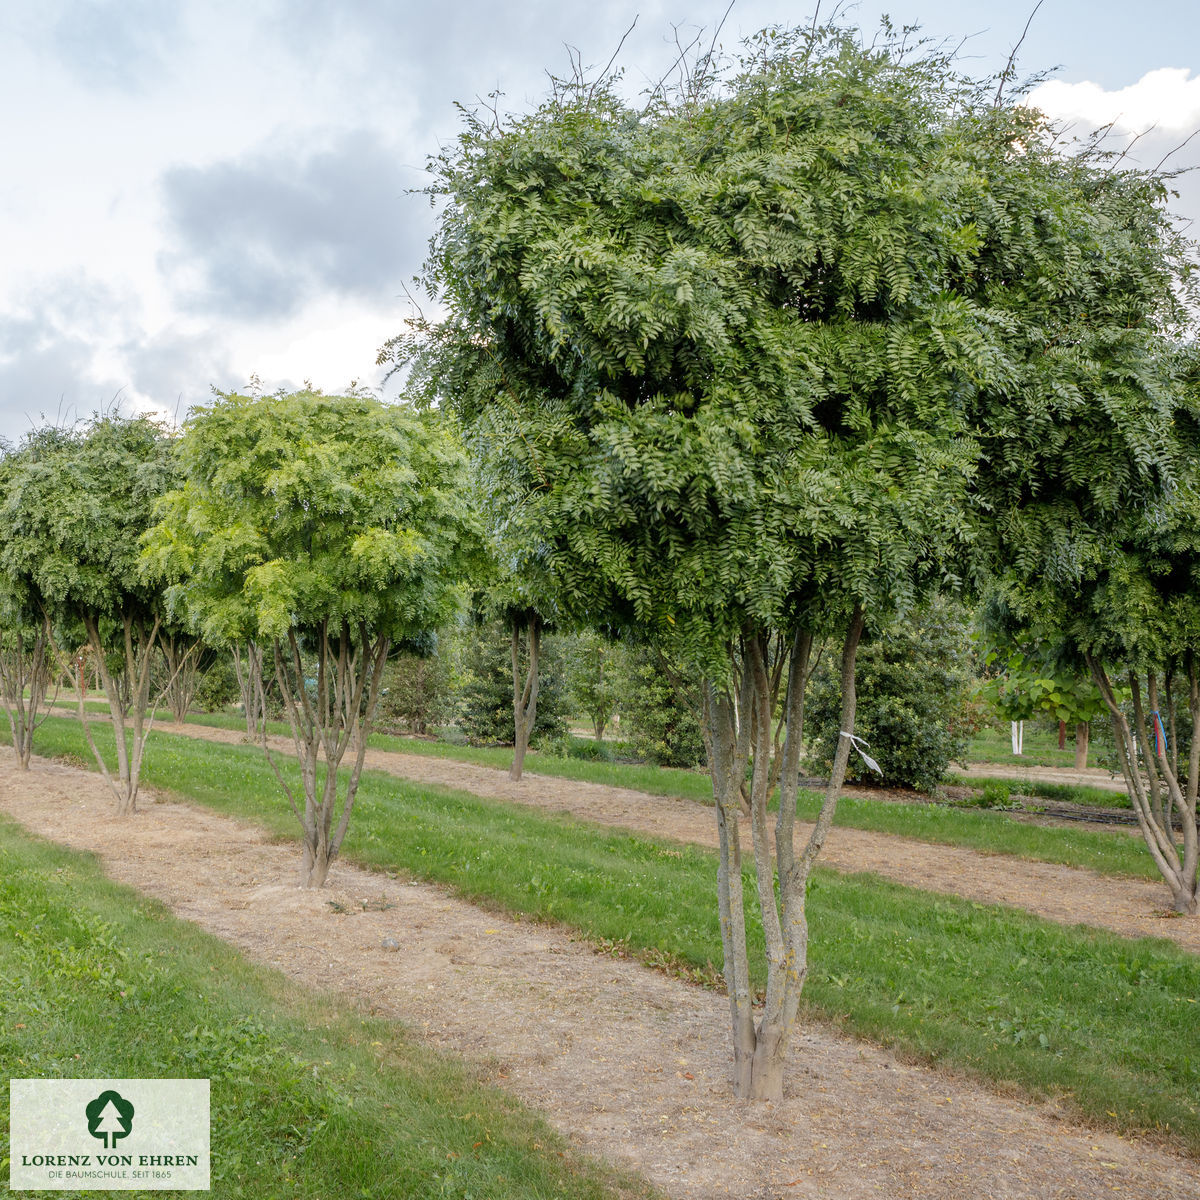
pixel 329 529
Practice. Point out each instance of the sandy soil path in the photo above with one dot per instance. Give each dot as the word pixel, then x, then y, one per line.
pixel 630 1064
pixel 1131 907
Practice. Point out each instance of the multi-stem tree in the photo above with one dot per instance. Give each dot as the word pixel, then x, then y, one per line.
pixel 75 504
pixel 741 344
pixel 331 529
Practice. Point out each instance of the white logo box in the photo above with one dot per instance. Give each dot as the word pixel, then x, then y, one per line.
pixel 71 1135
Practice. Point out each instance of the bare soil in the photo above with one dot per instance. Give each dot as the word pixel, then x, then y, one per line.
pixel 1131 907
pixel 631 1065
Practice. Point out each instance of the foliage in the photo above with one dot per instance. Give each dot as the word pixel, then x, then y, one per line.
pixel 746 348
pixel 218 685
pixel 915 687
pixel 417 693
pixel 302 510
pixel 1019 691
pixel 75 504
pixel 660 710
pixel 329 529
pixel 485 695
pixel 593 667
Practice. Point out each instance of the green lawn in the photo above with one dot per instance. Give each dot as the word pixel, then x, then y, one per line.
pixel 1110 853
pixel 1107 1022
pixel 994 745
pixel 309 1099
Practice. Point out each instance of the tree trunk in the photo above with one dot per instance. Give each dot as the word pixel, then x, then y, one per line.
pixel 128 704
pixel 324 725
pixel 525 691
pixel 1159 794
pixel 251 687
pixel 1062 735
pixel 25 666
pixel 737 723
pixel 1081 746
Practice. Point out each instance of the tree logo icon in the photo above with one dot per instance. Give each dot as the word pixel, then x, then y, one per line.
pixel 109 1117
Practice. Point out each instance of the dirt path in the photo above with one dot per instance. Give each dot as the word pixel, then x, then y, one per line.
pixel 1068 895
pixel 1096 777
pixel 630 1064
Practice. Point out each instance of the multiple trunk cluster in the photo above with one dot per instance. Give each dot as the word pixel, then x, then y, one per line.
pixel 24 684
pixel 329 715
pixel 748 725
pixel 1160 799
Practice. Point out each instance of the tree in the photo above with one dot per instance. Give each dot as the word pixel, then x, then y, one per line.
pixel 485 699
pixel 24 674
pixel 1022 688
pixel 74 508
pixel 660 708
pixel 1088 476
pixel 735 343
pixel 591 671
pixel 330 529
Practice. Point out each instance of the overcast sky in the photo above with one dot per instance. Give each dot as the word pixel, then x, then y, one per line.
pixel 193 192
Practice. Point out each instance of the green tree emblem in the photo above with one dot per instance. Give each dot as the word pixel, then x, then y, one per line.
pixel 109 1117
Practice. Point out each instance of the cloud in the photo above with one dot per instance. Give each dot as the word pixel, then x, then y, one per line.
pixel 118 44
pixel 259 237
pixel 1168 99
pixel 76 346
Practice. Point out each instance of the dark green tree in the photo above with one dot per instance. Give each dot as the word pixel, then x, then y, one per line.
pixel 914 681
pixel 75 504
pixel 740 343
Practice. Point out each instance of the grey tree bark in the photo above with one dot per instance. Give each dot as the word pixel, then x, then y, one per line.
pixel 25 667
pixel 250 685
pixel 336 715
pixel 1157 796
pixel 525 690
pixel 741 729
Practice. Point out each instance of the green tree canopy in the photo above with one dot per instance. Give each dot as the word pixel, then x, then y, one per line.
pixel 752 351
pixel 75 503
pixel 330 529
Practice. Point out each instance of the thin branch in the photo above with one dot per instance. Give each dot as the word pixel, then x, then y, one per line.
pixel 1009 66
pixel 604 74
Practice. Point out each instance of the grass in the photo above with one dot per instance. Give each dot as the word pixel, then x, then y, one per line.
pixel 1108 1022
pixel 1072 793
pixel 1107 852
pixel 308 1099
pixel 994 745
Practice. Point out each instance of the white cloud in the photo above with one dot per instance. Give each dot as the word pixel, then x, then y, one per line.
pixel 1168 99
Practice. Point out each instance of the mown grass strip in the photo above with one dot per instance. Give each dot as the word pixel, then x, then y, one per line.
pixel 1109 852
pixel 1109 1022
pixel 308 1099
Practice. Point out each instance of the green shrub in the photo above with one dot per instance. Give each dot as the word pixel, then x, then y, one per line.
pixel 417 694
pixel 218 685
pixel 914 698
pixel 660 711
pixel 484 702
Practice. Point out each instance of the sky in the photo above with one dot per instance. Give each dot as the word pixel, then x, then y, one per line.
pixel 195 194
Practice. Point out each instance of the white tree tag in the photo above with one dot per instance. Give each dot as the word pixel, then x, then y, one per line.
pixel 858 744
